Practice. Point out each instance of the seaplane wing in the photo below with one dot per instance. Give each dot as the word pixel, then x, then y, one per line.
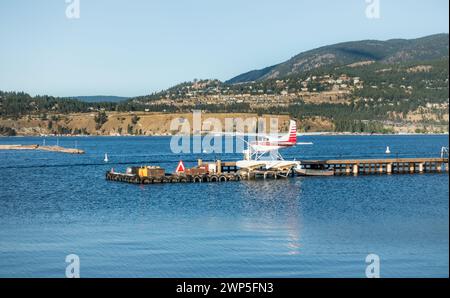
pixel 264 147
pixel 272 136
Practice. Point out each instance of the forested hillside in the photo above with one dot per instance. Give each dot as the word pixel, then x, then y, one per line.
pixel 370 86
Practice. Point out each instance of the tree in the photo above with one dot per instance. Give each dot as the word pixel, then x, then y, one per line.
pixel 135 119
pixel 130 129
pixel 7 131
pixel 100 119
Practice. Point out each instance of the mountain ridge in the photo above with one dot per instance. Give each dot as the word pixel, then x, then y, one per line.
pixel 390 52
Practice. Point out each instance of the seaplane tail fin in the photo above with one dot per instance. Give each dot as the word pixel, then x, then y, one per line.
pixel 291 136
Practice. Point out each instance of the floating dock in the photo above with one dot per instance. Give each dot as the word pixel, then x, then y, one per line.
pixel 228 171
pixel 382 166
pixel 173 178
pixel 44 148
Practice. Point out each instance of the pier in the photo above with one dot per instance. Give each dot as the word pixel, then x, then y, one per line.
pixel 228 171
pixel 367 166
pixel 382 166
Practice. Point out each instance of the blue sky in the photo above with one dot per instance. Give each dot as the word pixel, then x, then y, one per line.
pixel 135 47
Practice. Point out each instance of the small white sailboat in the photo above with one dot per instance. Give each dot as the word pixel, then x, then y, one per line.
pixel 106 158
pixel 388 150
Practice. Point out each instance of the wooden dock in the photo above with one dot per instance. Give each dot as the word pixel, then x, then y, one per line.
pixel 383 166
pixel 172 178
pixel 370 166
pixel 228 171
pixel 355 167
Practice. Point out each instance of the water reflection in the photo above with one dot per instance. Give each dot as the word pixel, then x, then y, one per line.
pixel 279 209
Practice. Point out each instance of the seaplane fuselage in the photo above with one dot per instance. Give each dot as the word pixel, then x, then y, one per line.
pixel 268 143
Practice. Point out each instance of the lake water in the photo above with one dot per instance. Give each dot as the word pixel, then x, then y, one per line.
pixel 53 204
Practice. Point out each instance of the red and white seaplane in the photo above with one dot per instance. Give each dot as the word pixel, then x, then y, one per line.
pixel 264 152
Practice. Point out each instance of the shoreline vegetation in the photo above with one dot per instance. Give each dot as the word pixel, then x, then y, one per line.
pixel 105 123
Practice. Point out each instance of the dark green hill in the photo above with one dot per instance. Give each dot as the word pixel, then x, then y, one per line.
pixel 389 52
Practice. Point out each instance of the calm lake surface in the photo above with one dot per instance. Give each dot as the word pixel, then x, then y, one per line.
pixel 53 204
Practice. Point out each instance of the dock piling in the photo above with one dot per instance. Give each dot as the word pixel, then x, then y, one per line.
pixel 355 169
pixel 421 167
pixel 389 168
pixel 411 168
pixel 219 167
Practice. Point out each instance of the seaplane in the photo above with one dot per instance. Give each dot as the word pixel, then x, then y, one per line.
pixel 263 153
